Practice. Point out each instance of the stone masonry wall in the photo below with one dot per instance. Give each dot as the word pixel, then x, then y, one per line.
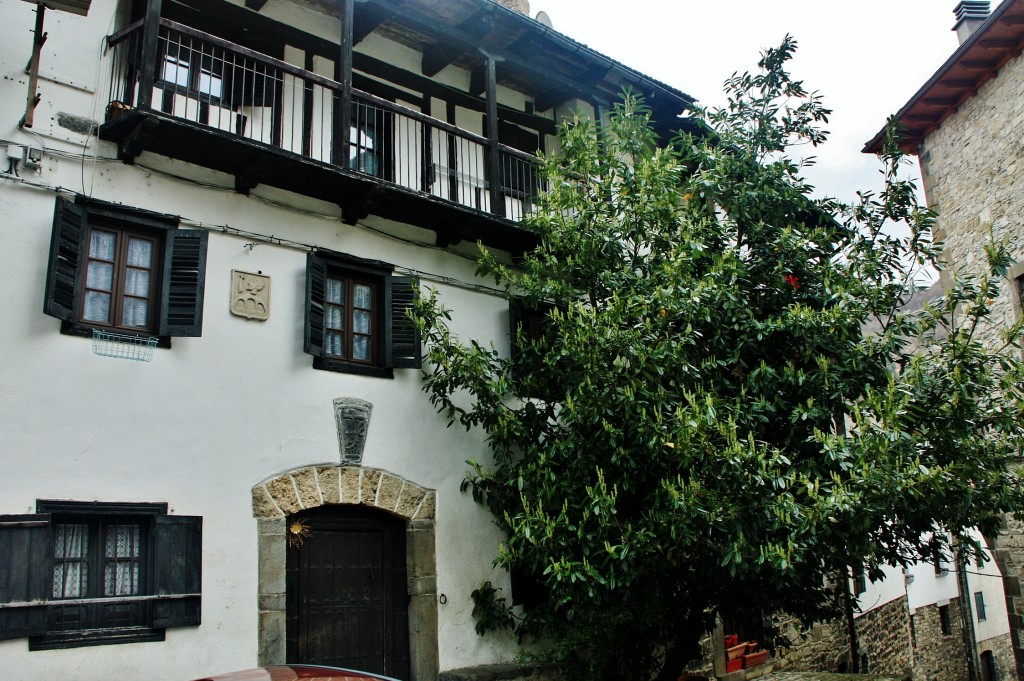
pixel 939 657
pixel 972 166
pixel 973 169
pixel 1001 648
pixel 822 647
pixel 883 639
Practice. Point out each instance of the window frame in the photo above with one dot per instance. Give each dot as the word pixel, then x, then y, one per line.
pixel 397 343
pixel 169 560
pixel 118 292
pixel 180 265
pixel 979 606
pixel 945 620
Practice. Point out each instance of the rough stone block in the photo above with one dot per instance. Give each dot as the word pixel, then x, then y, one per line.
pixel 274 526
pixel 309 490
pixel 350 485
pixel 283 491
pixel 263 505
pixel 428 509
pixel 368 487
pixel 410 500
pixel 389 490
pixel 330 488
pixel 272 638
pixel 423 649
pixel 271 564
pixel 420 549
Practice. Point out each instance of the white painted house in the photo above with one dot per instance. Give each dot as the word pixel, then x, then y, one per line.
pixel 245 195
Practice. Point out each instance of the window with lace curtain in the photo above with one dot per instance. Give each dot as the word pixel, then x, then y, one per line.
pixel 95 573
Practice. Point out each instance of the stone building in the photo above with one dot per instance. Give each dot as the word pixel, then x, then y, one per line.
pixel 246 194
pixel 964 125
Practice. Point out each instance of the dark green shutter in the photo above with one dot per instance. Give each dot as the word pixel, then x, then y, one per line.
pixel 316 282
pixel 26 574
pixel 184 281
pixel 515 319
pixel 67 249
pixel 403 346
pixel 177 570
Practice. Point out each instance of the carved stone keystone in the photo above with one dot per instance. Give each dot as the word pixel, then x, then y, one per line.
pixel 353 418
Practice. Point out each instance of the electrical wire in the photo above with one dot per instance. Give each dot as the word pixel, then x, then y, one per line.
pixel 272 239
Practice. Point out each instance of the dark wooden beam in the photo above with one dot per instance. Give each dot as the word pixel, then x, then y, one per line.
pixel 977 64
pixel 255 173
pixel 148 58
pixel 366 22
pixel 343 106
pixel 941 101
pixel 467 44
pixel 356 205
pixel 255 4
pixel 1015 20
pixel 138 139
pixel 997 42
pixel 442 53
pixel 497 199
pixel 418 83
pixel 961 83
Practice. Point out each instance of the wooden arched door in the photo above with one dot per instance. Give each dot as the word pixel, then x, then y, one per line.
pixel 347 598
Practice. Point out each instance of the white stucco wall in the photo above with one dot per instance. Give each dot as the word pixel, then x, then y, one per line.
pixel 882 591
pixel 206 420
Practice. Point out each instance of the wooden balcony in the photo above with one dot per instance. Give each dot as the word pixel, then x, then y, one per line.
pixel 198 98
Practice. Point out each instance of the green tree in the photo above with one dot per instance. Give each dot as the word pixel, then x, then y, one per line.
pixel 702 424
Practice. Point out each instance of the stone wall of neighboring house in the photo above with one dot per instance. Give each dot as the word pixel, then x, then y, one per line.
pixel 1001 648
pixel 884 640
pixel 822 647
pixel 971 167
pixel 939 656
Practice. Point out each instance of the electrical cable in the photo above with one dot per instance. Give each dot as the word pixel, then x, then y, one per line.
pixel 271 239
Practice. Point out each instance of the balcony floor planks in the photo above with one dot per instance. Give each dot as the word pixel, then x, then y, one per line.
pixel 356 193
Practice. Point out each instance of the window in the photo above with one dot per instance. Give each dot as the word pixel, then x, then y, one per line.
pixel 945 624
pixel 979 605
pixel 370 140
pixel 193 66
pixel 860 581
pixel 939 561
pixel 530 339
pixel 91 573
pixel 124 270
pixel 357 316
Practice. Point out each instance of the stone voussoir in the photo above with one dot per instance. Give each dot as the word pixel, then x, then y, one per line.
pixel 282 489
pixel 307 487
pixel 329 478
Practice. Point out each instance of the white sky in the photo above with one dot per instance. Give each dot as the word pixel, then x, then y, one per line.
pixel 865 57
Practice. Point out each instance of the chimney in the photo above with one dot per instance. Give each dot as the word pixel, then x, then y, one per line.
pixel 523 6
pixel 970 14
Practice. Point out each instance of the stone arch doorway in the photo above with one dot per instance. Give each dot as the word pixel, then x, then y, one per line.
pixel 312 487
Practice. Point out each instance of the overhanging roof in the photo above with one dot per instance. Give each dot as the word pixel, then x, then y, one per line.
pixel 997 41
pixel 531 56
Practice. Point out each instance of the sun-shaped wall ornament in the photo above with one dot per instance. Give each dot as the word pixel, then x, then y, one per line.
pixel 298 532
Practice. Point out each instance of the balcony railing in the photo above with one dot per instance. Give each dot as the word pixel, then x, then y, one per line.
pixel 205 80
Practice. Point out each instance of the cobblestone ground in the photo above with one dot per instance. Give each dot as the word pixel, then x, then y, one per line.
pixel 823 676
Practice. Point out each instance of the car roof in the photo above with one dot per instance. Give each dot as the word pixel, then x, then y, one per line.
pixel 296 671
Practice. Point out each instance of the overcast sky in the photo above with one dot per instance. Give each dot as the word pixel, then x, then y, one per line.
pixel 865 57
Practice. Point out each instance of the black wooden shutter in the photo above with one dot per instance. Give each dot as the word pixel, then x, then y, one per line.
pixel 67 245
pixel 403 347
pixel 184 280
pixel 177 570
pixel 316 282
pixel 515 319
pixel 26 574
